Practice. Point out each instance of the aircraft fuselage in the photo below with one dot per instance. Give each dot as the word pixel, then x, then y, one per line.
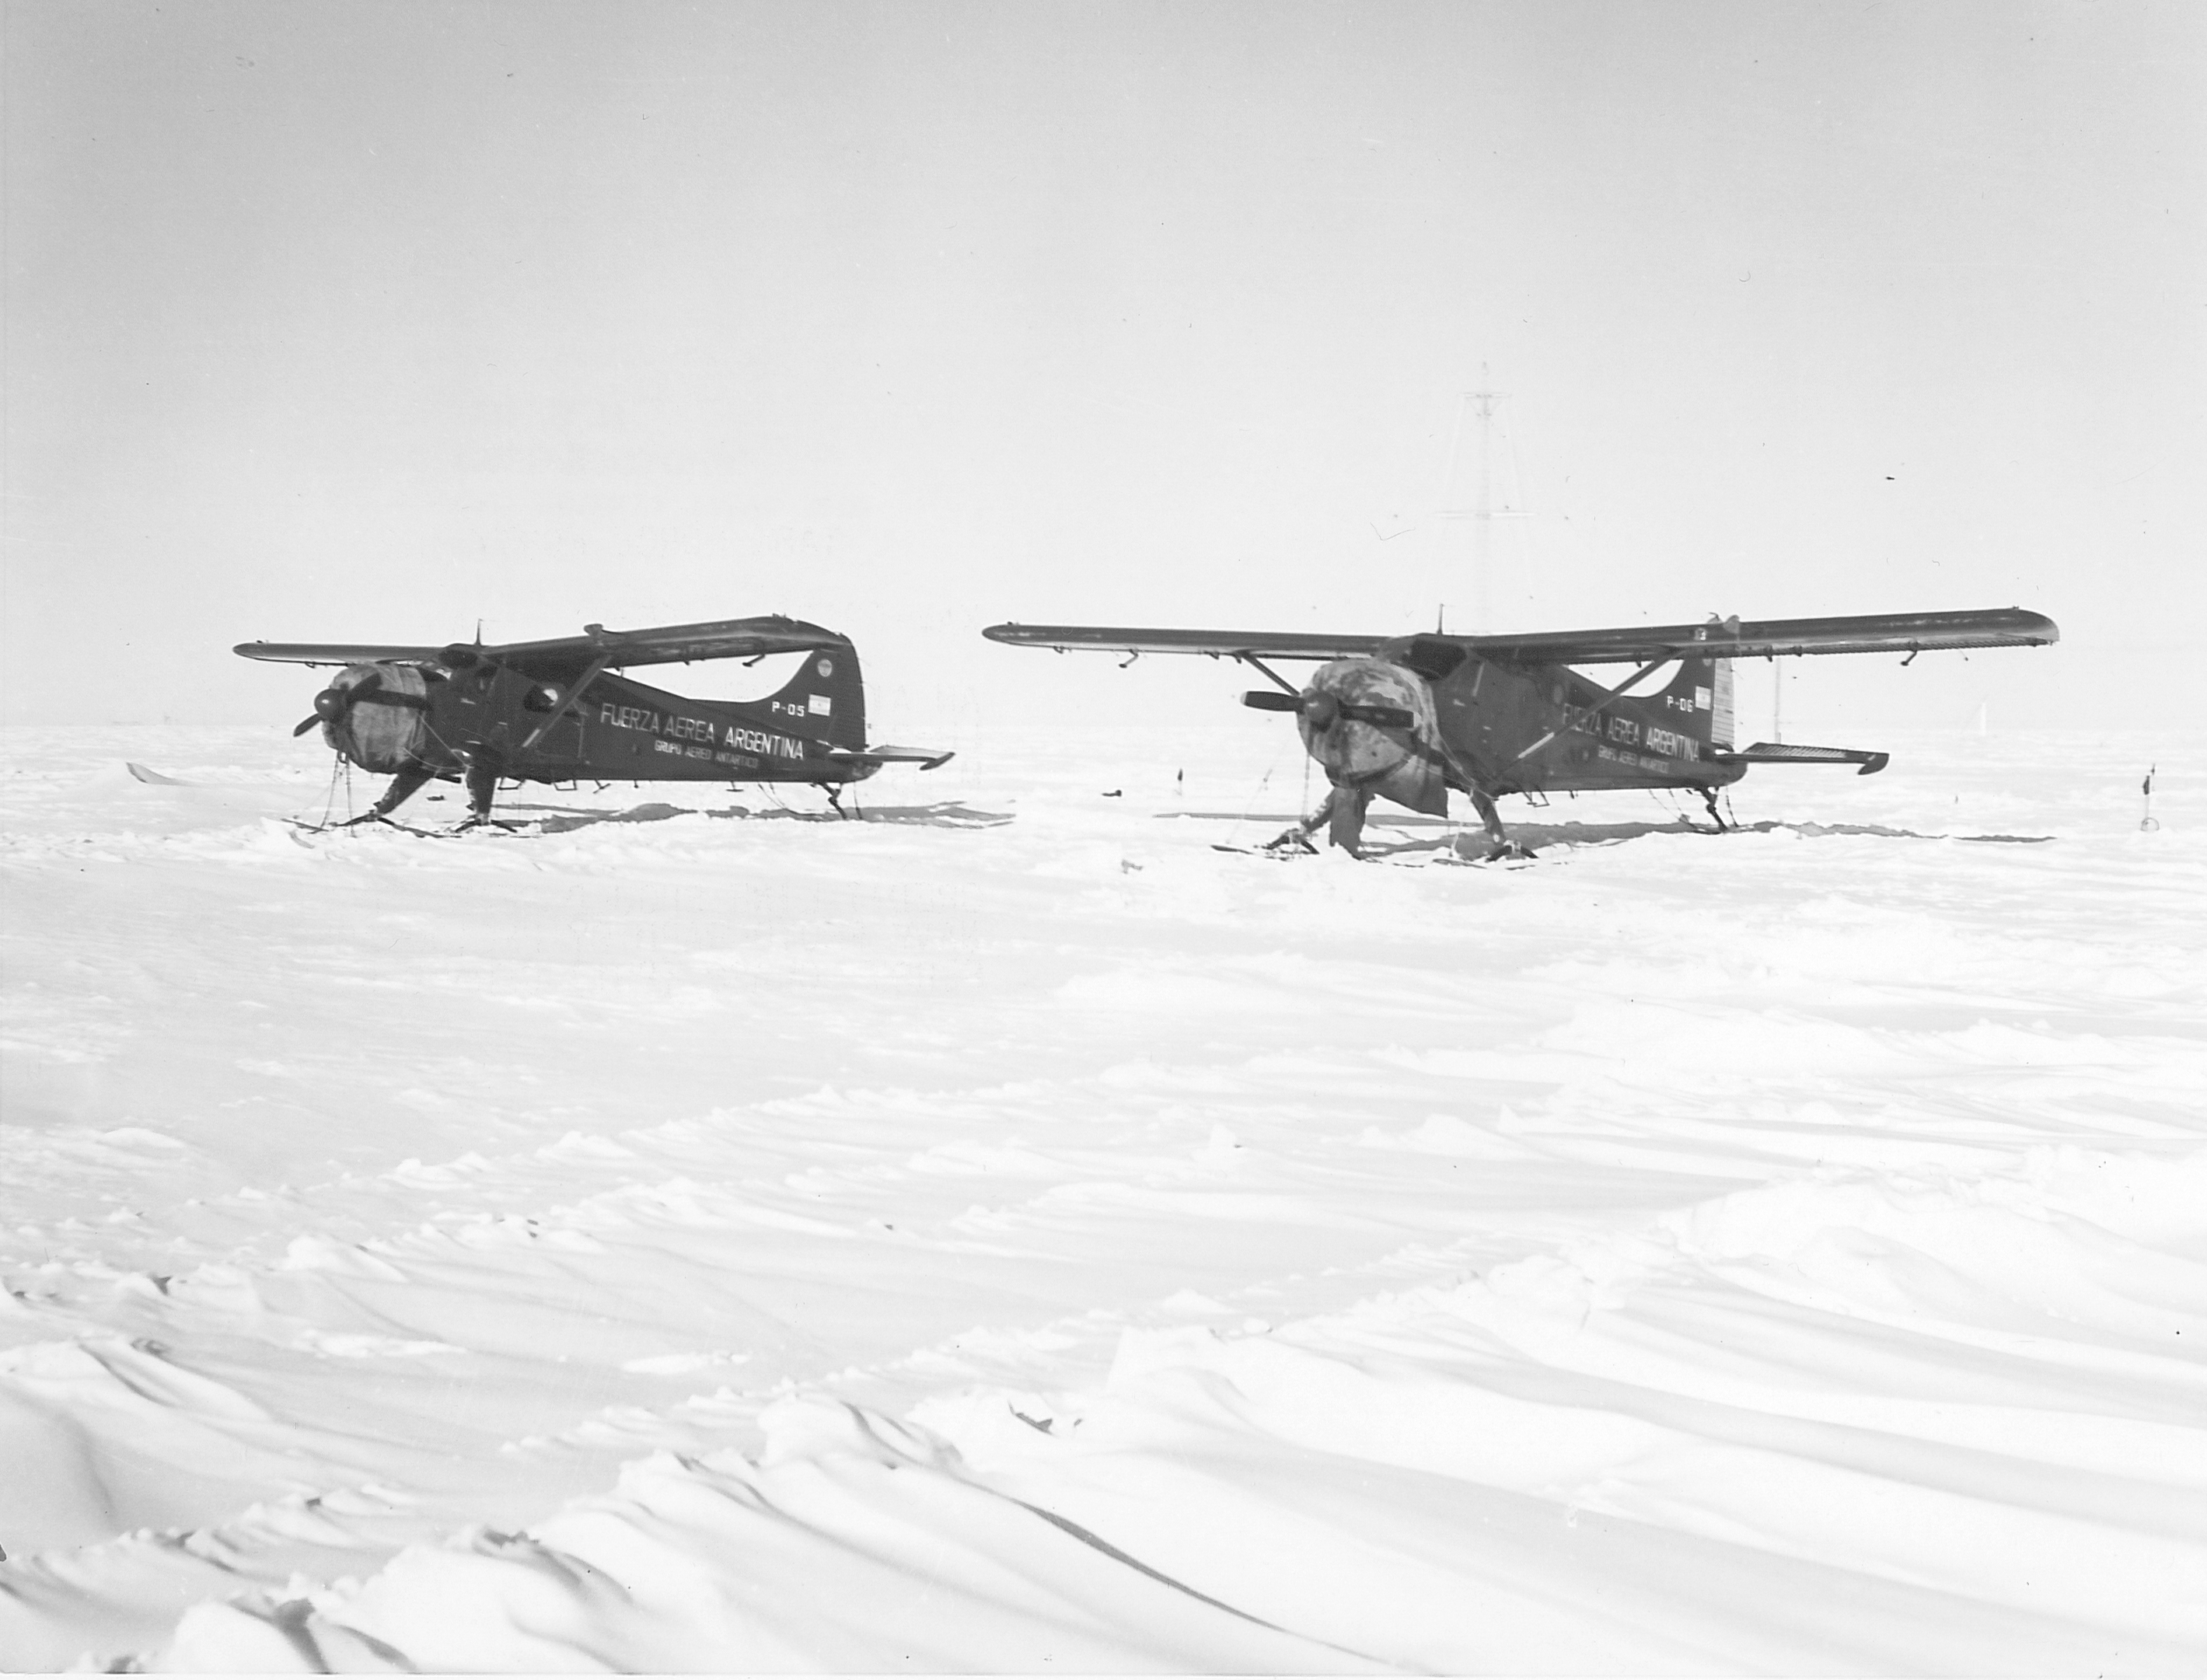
pixel 621 730
pixel 1547 728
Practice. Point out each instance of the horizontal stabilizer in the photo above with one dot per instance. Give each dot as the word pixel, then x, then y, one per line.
pixel 925 757
pixel 1779 752
pixel 1218 643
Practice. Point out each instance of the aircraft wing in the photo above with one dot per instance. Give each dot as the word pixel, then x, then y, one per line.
pixel 728 638
pixel 1884 632
pixel 668 644
pixel 337 653
pixel 1875 633
pixel 1218 643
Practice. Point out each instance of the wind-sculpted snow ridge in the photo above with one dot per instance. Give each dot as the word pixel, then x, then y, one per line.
pixel 1018 1235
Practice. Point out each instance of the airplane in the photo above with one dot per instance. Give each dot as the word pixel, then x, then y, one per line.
pixel 553 712
pixel 1407 718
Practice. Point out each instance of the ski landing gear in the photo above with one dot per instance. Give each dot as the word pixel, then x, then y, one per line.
pixel 482 788
pixel 403 786
pixel 1342 813
pixel 1501 846
pixel 1709 799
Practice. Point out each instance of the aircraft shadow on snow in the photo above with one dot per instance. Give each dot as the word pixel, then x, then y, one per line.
pixel 566 819
pixel 952 814
pixel 1537 836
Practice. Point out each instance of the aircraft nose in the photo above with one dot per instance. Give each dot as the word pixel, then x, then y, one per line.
pixel 329 708
pixel 334 704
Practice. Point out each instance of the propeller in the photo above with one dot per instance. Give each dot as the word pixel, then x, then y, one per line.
pixel 1325 710
pixel 332 703
pixel 1356 725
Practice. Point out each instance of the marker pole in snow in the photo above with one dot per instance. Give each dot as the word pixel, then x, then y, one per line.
pixel 2146 824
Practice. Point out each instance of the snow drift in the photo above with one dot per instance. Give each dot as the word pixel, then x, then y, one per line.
pixel 1010 1233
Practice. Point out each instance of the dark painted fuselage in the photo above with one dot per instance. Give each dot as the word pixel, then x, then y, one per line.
pixel 621 730
pixel 484 716
pixel 1512 728
pixel 1420 715
pixel 560 710
pixel 1409 718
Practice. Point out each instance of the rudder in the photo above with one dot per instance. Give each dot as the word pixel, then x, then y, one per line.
pixel 825 700
pixel 1698 701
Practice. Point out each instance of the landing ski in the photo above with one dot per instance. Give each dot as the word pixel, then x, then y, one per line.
pixel 1515 860
pixel 377 823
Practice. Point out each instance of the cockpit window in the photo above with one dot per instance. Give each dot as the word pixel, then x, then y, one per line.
pixel 1432 658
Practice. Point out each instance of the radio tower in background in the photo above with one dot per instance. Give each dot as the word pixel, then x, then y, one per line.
pixel 1482 508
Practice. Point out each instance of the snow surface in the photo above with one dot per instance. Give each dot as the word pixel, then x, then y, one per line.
pixel 1008 1233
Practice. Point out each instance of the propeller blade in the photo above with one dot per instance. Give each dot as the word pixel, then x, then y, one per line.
pixel 332 704
pixel 1323 709
pixel 1380 717
pixel 305 724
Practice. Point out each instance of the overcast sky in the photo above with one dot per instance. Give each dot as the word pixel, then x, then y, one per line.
pixel 367 321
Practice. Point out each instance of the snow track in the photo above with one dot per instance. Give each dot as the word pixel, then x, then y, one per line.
pixel 667 1240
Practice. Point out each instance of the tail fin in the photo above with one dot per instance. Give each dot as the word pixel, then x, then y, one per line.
pixel 1698 701
pixel 825 700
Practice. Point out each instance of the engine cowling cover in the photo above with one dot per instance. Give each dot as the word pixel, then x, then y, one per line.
pixel 1397 764
pixel 383 730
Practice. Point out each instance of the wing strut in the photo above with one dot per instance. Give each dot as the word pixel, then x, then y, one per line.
pixel 1641 675
pixel 1252 659
pixel 567 698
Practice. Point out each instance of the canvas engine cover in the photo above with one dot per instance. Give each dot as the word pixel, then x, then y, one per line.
pixel 1403 765
pixel 383 730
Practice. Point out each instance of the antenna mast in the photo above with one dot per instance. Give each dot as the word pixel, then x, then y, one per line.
pixel 1480 405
